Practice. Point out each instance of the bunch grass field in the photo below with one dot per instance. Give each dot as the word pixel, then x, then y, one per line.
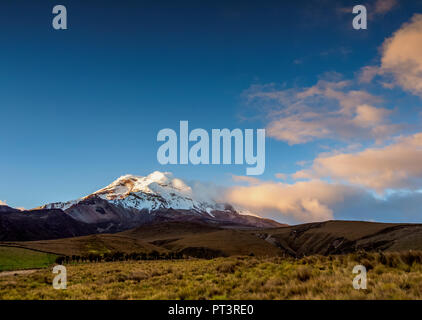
pixel 390 276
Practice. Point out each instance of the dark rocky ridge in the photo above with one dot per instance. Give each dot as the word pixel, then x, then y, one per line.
pixel 16 225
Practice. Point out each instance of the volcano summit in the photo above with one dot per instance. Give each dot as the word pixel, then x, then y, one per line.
pixel 133 200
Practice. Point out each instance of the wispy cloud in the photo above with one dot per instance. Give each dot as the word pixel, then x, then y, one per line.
pixel 384 6
pixel 327 110
pixel 247 179
pixel 368 73
pixel 281 176
pixel 380 8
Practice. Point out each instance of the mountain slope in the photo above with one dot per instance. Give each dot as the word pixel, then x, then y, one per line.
pixel 19 225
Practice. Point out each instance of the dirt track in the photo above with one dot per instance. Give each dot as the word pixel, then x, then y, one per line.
pixel 16 272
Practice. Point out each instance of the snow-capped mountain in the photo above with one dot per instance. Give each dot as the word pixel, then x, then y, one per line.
pixel 157 191
pixel 132 200
pixel 154 192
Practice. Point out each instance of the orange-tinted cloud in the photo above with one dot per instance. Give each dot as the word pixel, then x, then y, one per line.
pixel 281 176
pixel 247 179
pixel 368 116
pixel 402 56
pixel 368 73
pixel 318 200
pixel 384 6
pixel 302 201
pixel 395 166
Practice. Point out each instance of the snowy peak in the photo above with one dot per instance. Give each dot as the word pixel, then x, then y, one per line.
pixel 155 183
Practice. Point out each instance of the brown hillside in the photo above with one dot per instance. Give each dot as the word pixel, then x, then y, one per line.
pixel 331 237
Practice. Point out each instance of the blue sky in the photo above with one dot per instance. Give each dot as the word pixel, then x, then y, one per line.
pixel 82 106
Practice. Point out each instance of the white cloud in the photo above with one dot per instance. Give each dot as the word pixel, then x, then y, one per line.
pixel 205 191
pixel 3 203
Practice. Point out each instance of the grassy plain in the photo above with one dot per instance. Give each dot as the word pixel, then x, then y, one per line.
pixel 390 276
pixel 12 258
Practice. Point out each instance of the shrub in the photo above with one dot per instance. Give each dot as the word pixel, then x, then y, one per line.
pixel 138 276
pixel 60 260
pixel 303 273
pixel 227 267
pixel 410 257
pixel 368 264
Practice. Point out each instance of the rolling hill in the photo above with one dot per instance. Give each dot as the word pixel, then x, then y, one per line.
pixel 202 240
